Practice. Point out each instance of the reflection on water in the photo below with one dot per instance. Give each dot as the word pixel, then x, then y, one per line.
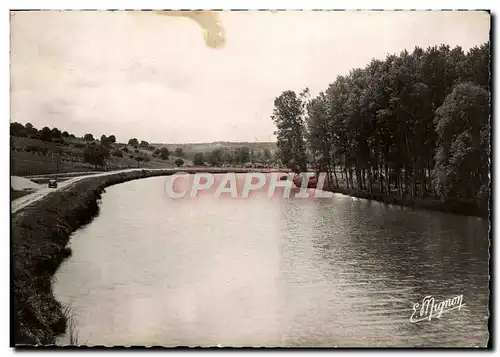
pixel 259 272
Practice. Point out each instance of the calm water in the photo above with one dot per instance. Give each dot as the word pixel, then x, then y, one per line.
pixel 259 272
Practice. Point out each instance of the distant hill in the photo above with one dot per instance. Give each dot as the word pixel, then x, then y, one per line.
pixel 48 151
pixel 206 147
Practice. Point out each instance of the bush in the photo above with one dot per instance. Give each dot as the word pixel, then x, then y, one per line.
pixel 58 141
pixel 80 145
pixel 179 162
pixel 164 153
pixel 199 159
pixel 117 153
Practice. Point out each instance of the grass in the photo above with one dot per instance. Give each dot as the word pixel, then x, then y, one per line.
pixel 72 331
pixel 19 193
pixel 59 158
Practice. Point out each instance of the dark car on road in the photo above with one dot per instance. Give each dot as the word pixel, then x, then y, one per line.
pixel 52 183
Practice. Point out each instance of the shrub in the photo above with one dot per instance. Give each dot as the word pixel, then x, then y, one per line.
pixel 179 162
pixel 79 145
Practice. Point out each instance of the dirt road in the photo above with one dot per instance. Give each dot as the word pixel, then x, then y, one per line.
pixel 27 200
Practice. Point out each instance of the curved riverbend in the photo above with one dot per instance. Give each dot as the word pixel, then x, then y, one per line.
pixel 40 232
pixel 341 271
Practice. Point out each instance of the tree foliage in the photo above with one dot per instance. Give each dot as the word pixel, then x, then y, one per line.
pixel 199 159
pixel 215 157
pixel 416 123
pixel 96 154
pixel 179 152
pixel 288 116
pixel 164 153
pixel 462 156
pixel 133 142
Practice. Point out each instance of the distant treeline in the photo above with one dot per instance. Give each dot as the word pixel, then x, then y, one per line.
pixel 98 152
pixel 236 156
pixel 415 123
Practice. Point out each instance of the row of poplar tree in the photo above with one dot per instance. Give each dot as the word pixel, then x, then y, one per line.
pixel 415 124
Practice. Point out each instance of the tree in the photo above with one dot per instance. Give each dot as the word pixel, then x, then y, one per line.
pixel 65 134
pixel 46 134
pixel 133 142
pixel 17 129
pixel 104 140
pixel 215 157
pixel 179 152
pixel 288 117
pixel 55 133
pixel 88 137
pixel 164 153
pixel 408 124
pixel 112 139
pixel 144 144
pixel 95 154
pixel 267 154
pixel 199 159
pixel 118 153
pixel 462 157
pixel 30 130
pixel 242 155
pixel 179 162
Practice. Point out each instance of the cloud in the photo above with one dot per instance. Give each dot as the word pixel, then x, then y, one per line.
pixel 153 77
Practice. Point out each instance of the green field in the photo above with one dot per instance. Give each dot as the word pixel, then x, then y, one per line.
pixel 31 156
pixel 50 158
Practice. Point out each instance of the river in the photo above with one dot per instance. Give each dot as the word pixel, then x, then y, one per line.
pixel 339 271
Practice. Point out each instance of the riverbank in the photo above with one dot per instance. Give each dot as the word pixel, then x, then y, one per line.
pixel 453 206
pixel 39 235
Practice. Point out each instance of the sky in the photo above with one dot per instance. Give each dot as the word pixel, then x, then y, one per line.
pixel 154 77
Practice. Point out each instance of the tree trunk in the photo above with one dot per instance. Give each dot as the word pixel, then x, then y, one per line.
pixel 387 179
pixel 370 180
pixel 380 179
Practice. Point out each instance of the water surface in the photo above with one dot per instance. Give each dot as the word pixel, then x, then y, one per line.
pixel 340 271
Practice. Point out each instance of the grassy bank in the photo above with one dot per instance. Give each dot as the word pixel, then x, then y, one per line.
pixel 469 208
pixel 14 194
pixel 38 240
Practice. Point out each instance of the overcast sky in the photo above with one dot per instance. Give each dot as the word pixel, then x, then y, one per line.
pixel 153 77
